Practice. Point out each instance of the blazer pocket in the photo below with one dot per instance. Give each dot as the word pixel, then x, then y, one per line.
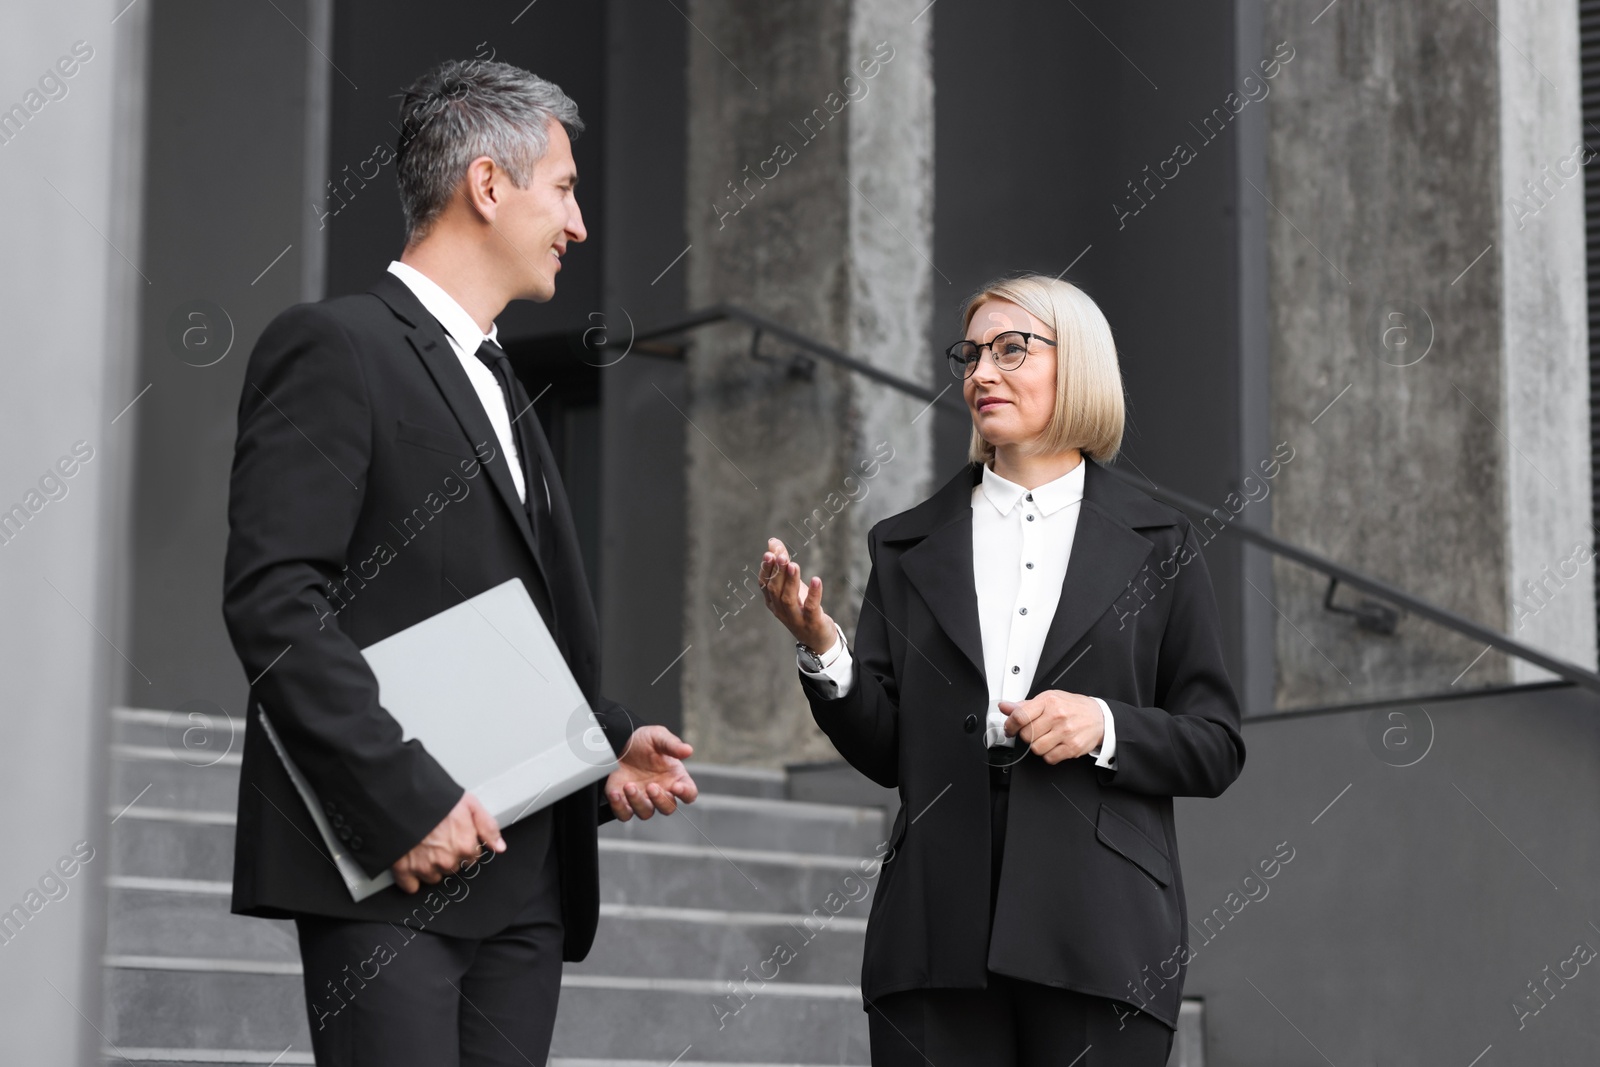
pixel 451 444
pixel 1126 839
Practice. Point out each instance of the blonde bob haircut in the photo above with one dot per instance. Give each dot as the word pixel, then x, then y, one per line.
pixel 1089 411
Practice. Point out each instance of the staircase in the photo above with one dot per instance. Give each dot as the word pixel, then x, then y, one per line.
pixel 691 905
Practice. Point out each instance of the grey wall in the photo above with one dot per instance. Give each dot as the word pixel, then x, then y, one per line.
pixel 69 180
pixel 1436 871
pixel 642 473
pixel 381 48
pixel 232 93
pixel 1117 88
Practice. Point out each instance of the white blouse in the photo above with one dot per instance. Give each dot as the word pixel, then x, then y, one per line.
pixel 1021 544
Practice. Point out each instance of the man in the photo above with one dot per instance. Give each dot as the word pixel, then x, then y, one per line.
pixel 389 465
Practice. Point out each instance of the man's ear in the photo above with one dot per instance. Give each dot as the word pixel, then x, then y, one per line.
pixel 481 187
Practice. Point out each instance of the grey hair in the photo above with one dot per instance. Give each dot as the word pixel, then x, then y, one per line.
pixel 463 109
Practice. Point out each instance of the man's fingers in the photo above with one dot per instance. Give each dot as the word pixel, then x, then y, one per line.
pixel 488 830
pixel 619 806
pixel 638 800
pixel 663 800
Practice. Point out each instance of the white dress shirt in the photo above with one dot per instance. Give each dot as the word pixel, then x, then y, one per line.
pixel 465 340
pixel 1021 544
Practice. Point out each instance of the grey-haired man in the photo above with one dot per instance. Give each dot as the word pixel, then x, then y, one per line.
pixel 388 466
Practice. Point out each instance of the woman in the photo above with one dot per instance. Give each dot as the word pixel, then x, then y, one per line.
pixel 1037 668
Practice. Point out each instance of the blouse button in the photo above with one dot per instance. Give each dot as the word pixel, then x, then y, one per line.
pixel 1030 566
pixel 1030 518
pixel 1023 611
pixel 1016 670
pixel 1030 496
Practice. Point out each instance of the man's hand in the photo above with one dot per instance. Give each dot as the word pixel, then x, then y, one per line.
pixel 1056 725
pixel 454 842
pixel 651 776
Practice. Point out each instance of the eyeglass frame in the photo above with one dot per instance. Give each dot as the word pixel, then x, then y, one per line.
pixel 972 367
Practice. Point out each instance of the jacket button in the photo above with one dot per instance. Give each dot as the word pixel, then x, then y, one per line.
pixel 971 725
pixel 355 843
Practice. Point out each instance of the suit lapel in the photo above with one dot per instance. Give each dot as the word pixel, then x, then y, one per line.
pixel 1106 555
pixel 940 567
pixel 585 628
pixel 427 338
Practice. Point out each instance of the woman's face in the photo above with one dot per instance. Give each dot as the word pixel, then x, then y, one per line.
pixel 1010 407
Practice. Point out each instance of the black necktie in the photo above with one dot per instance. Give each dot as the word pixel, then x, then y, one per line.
pixel 518 407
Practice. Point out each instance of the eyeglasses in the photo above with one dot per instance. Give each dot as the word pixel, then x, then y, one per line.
pixel 1008 349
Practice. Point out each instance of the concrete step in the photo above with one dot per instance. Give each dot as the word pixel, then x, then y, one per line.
pixel 232 1058
pixel 768 782
pixel 188 922
pixel 215 739
pixel 199 846
pixel 761 823
pixel 151 776
pixel 649 941
pixel 152 1000
pixel 804 1024
pixel 161 843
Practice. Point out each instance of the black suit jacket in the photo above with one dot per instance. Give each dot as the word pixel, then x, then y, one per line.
pixel 368 493
pixel 1091 898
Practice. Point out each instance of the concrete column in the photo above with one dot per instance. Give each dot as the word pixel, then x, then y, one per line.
pixel 1427 355
pixel 1544 345
pixel 70 173
pixel 808 199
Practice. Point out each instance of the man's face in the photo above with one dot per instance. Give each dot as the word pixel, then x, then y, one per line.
pixel 540 221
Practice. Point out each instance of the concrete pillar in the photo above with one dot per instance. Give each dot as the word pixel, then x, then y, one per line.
pixel 1427 351
pixel 70 173
pixel 1544 347
pixel 808 199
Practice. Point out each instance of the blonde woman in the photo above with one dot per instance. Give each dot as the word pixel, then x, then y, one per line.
pixel 1037 668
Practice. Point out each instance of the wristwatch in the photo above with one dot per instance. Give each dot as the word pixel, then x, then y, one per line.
pixel 810 657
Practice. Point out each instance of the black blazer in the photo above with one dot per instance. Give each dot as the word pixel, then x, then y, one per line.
pixel 368 493
pixel 1091 898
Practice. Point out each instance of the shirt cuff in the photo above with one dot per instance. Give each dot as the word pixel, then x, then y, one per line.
pixel 838 668
pixel 1106 753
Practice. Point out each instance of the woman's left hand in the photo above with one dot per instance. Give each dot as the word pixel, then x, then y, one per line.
pixel 1056 725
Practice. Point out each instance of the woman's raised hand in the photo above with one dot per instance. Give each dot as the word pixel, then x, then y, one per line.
pixel 796 603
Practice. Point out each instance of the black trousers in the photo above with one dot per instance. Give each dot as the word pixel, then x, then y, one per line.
pixel 387 995
pixel 1012 1023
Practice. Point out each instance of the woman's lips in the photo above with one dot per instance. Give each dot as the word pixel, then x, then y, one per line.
pixel 990 402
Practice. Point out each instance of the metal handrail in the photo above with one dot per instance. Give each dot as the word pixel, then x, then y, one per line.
pixel 1277 546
